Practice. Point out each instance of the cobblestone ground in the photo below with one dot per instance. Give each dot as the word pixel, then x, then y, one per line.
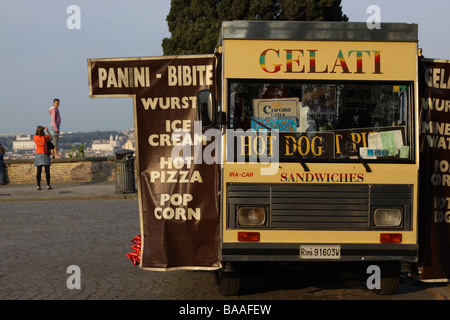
pixel 40 240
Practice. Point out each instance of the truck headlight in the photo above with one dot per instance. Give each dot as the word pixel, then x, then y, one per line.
pixel 388 217
pixel 251 217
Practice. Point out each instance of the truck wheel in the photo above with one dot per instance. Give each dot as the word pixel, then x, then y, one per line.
pixel 390 277
pixel 229 279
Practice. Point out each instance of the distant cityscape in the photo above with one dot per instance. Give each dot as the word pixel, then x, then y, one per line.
pixel 95 144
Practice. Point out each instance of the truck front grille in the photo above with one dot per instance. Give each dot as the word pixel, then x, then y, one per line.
pixel 317 206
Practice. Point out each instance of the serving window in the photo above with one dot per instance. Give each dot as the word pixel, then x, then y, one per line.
pixel 368 120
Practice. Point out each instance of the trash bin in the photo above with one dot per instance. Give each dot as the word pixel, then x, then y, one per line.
pixel 125 182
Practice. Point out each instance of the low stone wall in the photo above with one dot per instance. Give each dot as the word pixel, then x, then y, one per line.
pixel 62 170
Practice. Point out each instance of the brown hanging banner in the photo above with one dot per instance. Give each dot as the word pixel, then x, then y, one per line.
pixel 178 195
pixel 434 216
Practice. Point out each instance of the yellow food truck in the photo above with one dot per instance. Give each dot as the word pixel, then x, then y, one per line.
pixel 307 150
pixel 320 158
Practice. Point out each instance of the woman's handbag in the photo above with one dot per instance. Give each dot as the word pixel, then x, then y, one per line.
pixel 49 145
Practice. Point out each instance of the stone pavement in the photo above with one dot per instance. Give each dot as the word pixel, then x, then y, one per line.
pixel 102 209
pixel 95 190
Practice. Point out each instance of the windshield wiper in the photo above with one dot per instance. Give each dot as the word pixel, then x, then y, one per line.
pixel 352 143
pixel 299 157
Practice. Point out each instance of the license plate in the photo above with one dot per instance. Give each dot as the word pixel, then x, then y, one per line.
pixel 320 252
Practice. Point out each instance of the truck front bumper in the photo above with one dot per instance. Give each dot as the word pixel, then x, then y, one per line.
pixel 291 252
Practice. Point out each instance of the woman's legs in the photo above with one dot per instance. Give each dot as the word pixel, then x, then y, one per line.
pixel 1 175
pixel 38 176
pixel 47 176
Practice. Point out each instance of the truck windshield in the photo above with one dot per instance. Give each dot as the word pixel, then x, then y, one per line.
pixel 323 121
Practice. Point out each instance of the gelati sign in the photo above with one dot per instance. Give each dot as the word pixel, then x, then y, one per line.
pixel 177 197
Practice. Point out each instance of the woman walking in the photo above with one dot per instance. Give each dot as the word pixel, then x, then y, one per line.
pixel 42 158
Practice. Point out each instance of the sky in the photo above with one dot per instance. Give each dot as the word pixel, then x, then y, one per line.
pixel 42 58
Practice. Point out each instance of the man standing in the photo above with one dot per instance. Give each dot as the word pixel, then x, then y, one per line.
pixel 54 127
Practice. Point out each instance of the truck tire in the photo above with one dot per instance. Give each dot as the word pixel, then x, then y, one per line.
pixel 229 280
pixel 390 277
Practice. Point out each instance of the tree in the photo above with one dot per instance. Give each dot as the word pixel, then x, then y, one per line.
pixel 195 24
pixel 77 152
pixel 312 10
pixel 194 27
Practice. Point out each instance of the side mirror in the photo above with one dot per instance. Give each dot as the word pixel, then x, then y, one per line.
pixel 206 108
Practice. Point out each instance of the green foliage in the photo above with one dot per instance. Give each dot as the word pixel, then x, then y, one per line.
pixel 195 24
pixel 77 152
